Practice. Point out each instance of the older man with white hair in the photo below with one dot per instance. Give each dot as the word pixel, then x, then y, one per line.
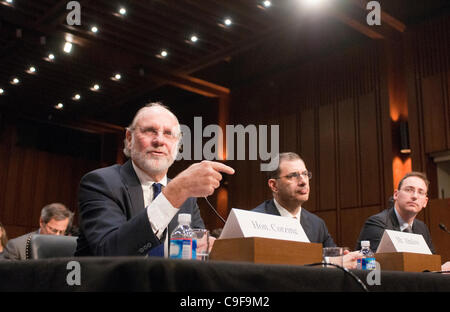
pixel 129 209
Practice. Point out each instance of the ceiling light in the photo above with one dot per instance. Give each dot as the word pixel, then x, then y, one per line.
pixel 194 38
pixel 312 3
pixel 116 77
pixel 95 87
pixel 94 29
pixel 162 54
pixel 50 57
pixel 265 4
pixel 31 70
pixel 59 106
pixel 67 47
pixel 122 11
pixel 76 97
pixel 2 91
pixel 15 81
pixel 227 21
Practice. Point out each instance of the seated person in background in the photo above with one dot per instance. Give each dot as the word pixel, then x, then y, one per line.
pixel 3 240
pixel 409 199
pixel 290 189
pixel 130 209
pixel 55 219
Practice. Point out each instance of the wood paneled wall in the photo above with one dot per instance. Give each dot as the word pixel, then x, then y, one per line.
pixel 428 85
pixel 30 179
pixel 334 112
pixel 428 77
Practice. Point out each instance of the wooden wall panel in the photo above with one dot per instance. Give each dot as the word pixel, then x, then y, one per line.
pixel 33 179
pixel 439 211
pixel 352 221
pixel 369 149
pixel 329 113
pixel 327 158
pixel 307 125
pixel 348 186
pixel 434 117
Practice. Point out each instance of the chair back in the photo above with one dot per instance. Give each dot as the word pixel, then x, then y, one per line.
pixel 51 246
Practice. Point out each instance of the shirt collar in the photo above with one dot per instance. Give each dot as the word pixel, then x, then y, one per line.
pixel 403 224
pixel 145 179
pixel 284 212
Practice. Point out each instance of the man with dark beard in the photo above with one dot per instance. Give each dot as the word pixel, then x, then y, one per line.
pixel 130 209
pixel 290 189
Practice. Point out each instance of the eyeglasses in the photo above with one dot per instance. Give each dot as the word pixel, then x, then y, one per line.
pixel 307 175
pixel 54 231
pixel 411 191
pixel 153 132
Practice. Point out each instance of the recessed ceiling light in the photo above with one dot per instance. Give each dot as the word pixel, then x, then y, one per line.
pixel 95 87
pixel 2 91
pixel 162 54
pixel 116 77
pixel 312 3
pixel 122 11
pixel 228 21
pixel 76 97
pixel 67 47
pixel 31 70
pixel 94 29
pixel 15 81
pixel 50 57
pixel 59 105
pixel 265 4
pixel 194 38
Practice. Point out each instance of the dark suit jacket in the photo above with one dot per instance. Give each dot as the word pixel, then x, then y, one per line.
pixel 375 225
pixel 112 218
pixel 314 227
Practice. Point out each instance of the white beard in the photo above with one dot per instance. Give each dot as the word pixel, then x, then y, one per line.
pixel 153 164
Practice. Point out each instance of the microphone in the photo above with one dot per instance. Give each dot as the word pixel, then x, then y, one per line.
pixel 443 228
pixel 215 211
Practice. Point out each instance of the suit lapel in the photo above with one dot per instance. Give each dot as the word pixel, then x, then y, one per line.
pixel 306 224
pixel 133 186
pixel 393 220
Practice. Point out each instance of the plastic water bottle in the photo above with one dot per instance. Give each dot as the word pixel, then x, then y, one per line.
pixel 367 262
pixel 183 244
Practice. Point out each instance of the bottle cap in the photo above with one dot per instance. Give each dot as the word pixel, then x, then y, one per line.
pixel 365 243
pixel 184 218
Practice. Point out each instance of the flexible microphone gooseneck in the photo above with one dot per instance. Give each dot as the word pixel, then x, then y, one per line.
pixel 346 271
pixel 215 211
pixel 443 228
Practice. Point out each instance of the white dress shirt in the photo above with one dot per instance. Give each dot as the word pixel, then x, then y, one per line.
pixel 403 224
pixel 285 213
pixel 159 211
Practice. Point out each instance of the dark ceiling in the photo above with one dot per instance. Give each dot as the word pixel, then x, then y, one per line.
pixel 259 40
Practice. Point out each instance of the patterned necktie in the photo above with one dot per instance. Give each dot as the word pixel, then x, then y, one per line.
pixel 156 189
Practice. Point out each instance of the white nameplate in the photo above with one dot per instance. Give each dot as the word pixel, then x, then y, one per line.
pixel 244 223
pixel 396 241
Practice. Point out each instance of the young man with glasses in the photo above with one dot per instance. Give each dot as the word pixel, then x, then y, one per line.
pixel 55 220
pixel 409 199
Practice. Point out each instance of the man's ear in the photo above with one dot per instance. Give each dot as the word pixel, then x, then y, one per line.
pixel 272 183
pixel 128 136
pixel 395 196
